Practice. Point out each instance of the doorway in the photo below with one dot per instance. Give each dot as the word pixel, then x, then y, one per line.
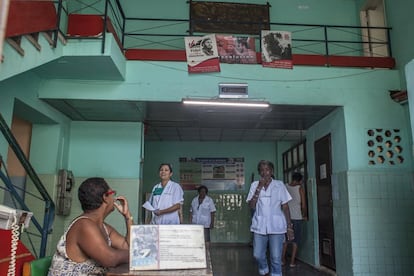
pixel 323 173
pixel 22 131
pixel 372 14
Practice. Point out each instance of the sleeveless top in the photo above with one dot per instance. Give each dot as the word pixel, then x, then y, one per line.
pixel 294 204
pixel 62 265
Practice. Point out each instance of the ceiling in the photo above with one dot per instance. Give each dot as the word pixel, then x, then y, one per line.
pixel 173 121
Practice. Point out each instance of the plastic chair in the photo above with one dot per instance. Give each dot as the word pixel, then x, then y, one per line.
pixel 38 267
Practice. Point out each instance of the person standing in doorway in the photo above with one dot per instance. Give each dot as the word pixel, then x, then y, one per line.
pixel 167 198
pixel 202 212
pixel 271 219
pixel 298 212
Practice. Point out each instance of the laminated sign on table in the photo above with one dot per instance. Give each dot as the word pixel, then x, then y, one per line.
pixel 162 247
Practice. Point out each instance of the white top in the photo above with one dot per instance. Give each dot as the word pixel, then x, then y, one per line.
pixel 201 213
pixel 171 195
pixel 268 217
pixel 294 205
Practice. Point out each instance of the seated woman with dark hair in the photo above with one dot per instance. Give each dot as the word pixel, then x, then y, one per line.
pixel 89 245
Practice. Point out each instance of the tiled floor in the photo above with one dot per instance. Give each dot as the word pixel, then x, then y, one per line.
pixel 229 260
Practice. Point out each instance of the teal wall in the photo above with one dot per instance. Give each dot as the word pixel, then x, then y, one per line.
pixel 409 72
pixel 107 149
pixel 398 16
pixel 373 204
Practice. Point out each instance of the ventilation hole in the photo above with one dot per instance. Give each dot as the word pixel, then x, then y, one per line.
pixel 384 146
pixel 398 149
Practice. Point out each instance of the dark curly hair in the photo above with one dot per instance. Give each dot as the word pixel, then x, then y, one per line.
pixel 202 187
pixel 297 176
pixel 91 191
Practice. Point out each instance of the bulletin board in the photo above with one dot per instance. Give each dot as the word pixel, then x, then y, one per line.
pixel 221 173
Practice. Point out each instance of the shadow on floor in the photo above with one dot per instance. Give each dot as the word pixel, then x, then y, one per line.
pixel 229 260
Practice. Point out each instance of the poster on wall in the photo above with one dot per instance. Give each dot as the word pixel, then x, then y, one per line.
pixel 215 173
pixel 277 49
pixel 236 49
pixel 201 53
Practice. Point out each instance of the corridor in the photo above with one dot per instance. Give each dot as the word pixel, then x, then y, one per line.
pixel 232 260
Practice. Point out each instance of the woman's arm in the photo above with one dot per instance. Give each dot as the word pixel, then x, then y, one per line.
pixel 171 209
pixel 303 203
pixel 289 231
pixel 212 214
pixel 117 240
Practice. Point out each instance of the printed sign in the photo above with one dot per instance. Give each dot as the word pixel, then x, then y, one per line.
pixel 202 55
pixel 158 247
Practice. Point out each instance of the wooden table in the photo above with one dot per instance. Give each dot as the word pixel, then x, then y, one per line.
pixel 123 270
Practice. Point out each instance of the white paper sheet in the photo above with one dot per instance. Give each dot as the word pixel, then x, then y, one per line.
pixel 148 206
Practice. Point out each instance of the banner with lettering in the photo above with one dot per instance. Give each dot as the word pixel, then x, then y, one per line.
pixel 236 49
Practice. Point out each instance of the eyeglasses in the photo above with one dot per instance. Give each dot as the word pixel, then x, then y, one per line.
pixel 110 192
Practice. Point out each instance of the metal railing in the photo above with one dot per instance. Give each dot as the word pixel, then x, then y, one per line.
pixel 169 33
pixel 18 195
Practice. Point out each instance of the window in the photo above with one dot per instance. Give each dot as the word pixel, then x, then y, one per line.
pixel 294 160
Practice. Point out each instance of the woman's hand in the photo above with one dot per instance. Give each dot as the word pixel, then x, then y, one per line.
pixel 121 204
pixel 290 234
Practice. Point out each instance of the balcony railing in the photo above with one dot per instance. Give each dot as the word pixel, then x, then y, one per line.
pixel 94 20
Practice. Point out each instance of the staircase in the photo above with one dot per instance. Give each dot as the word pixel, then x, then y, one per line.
pixel 32 37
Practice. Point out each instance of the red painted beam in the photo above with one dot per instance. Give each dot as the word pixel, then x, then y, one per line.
pixel 298 59
pixel 26 17
pixel 373 62
pixel 159 55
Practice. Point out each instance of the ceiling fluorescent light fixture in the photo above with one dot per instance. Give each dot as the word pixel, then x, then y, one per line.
pixel 221 102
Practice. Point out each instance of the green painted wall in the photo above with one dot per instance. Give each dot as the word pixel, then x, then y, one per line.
pixel 106 149
pixel 398 17
pixel 374 203
pixel 409 72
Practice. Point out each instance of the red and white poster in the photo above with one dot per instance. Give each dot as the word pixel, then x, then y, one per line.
pixel 277 49
pixel 234 49
pixel 202 55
